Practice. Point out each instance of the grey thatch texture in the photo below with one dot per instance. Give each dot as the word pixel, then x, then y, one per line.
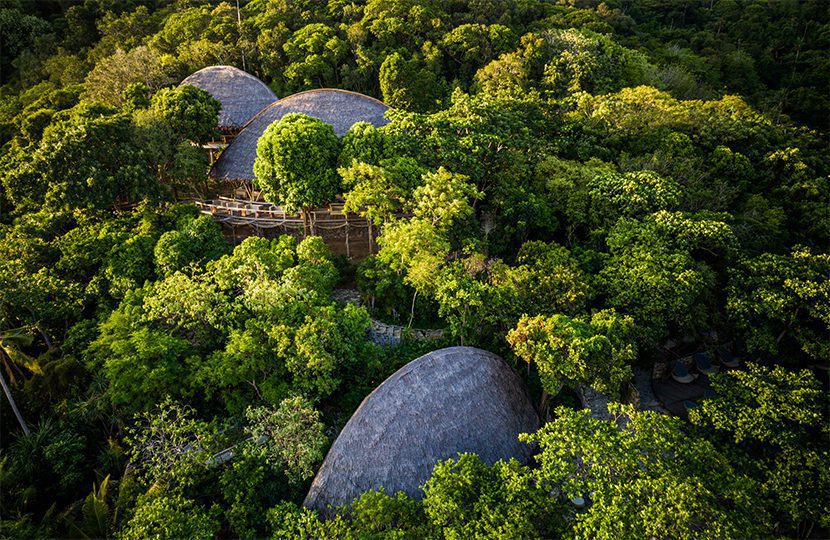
pixel 458 399
pixel 241 94
pixel 339 108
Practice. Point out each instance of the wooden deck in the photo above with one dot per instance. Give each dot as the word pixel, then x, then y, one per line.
pixel 672 394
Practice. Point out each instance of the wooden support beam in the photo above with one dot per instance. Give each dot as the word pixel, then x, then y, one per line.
pixel 348 246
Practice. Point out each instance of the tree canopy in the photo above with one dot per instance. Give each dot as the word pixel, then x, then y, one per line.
pixel 599 192
pixel 295 162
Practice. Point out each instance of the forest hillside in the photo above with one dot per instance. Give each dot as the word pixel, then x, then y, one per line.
pixel 623 206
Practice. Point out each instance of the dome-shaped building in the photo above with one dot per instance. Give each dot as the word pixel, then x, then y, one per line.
pixel 339 108
pixel 241 94
pixel 458 399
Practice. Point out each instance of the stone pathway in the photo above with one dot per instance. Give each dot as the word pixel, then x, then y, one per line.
pixel 643 398
pixel 382 333
pixel 346 296
pixel 594 401
pixel 648 401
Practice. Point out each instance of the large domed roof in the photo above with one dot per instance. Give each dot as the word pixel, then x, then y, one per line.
pixel 241 94
pixel 458 399
pixel 339 108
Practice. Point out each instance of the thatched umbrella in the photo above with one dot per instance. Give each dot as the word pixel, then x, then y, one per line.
pixel 339 108
pixel 241 94
pixel 458 399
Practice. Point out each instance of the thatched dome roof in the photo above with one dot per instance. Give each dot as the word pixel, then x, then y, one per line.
pixel 459 399
pixel 339 108
pixel 241 94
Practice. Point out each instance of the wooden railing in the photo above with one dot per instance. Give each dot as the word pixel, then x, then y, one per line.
pixel 245 212
pixel 329 222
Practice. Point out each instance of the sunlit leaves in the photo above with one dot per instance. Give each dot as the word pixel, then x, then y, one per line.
pixel 642 476
pixel 567 351
pixel 290 437
pixel 773 297
pixel 295 163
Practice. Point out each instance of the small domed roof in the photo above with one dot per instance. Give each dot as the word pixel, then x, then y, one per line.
pixel 458 399
pixel 339 108
pixel 241 94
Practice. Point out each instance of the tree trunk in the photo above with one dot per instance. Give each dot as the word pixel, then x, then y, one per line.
pixel 36 324
pixel 305 222
pixel 412 309
pixel 543 405
pixel 8 392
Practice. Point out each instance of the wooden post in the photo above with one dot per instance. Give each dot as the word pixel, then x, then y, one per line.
pixel 370 235
pixel 348 247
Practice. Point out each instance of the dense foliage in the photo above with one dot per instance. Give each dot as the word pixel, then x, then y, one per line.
pixel 583 187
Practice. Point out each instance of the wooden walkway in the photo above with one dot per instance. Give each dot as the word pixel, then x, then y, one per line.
pixel 346 233
pixel 265 214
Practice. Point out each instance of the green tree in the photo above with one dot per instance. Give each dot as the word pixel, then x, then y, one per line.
pixel 295 163
pixel 642 476
pixel 634 194
pixel 545 280
pixel 562 63
pixel 378 515
pixel 314 56
pixel 782 300
pixel 287 520
pixel 49 460
pixel 255 258
pixel 773 422
pixel 249 486
pixel 87 159
pixel 197 242
pixel 596 352
pixel 140 364
pixel 169 445
pixel 39 299
pixel 414 248
pixel 192 112
pixel 112 75
pixel 364 143
pixel 319 350
pixel 462 294
pixel 18 31
pixel 444 198
pixel 566 185
pixel 465 498
pixel 408 85
pixel 372 192
pixel 136 96
pixel 471 46
pixel 170 131
pixel 661 270
pixel 291 437
pixel 162 514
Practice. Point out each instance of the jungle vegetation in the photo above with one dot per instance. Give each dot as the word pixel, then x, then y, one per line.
pixel 569 184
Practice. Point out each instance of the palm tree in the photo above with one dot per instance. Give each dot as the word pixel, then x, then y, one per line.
pixel 11 341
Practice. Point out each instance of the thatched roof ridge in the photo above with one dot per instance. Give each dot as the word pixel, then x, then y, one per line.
pixel 458 399
pixel 339 108
pixel 241 94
